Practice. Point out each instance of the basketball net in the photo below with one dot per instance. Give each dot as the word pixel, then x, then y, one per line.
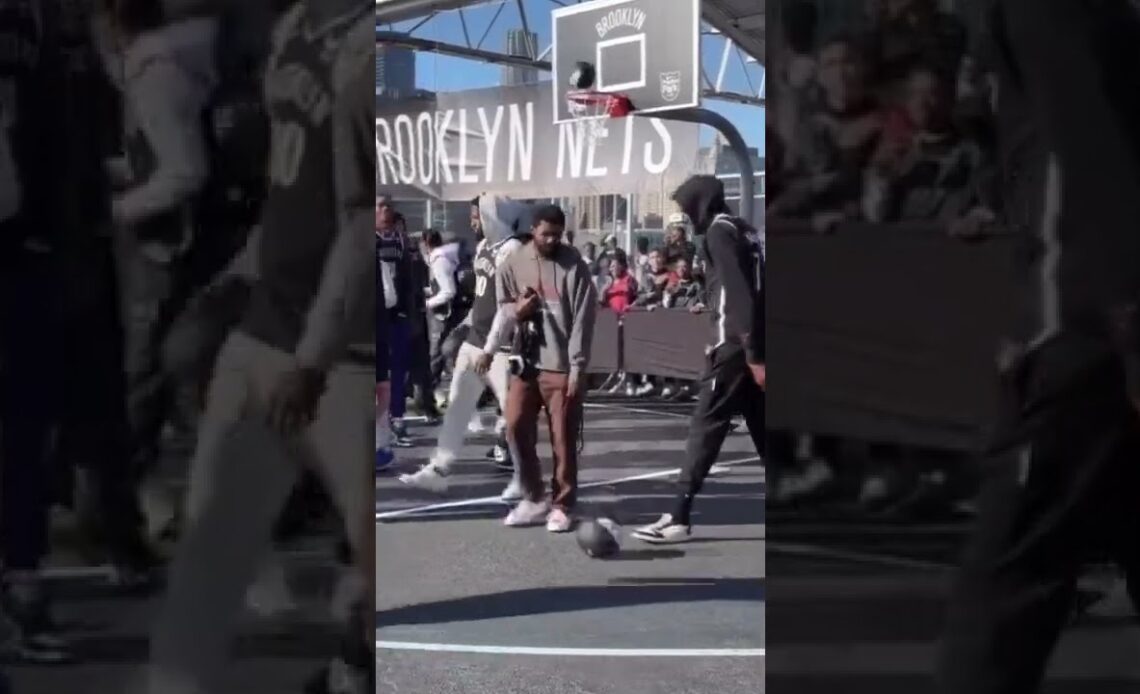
pixel 592 110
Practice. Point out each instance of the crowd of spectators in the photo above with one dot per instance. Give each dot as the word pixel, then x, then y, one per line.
pixel 887 123
pixel 665 277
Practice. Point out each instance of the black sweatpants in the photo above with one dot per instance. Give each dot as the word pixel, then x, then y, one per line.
pixel 1068 494
pixel 727 389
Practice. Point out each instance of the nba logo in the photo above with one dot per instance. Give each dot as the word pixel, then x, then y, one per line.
pixel 670 85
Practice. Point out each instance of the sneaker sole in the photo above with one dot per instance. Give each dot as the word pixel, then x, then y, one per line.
pixel 424 487
pixel 654 540
pixel 533 524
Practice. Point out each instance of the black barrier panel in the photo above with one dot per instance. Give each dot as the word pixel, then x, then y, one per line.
pixel 886 333
pixel 605 350
pixel 665 342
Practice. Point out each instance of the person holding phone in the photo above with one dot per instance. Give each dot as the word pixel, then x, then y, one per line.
pixel 546 288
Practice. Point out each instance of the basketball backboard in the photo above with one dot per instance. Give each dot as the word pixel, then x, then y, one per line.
pixel 647 50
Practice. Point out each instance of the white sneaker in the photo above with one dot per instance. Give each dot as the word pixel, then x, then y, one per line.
pixel 513 492
pixel 663 532
pixel 527 513
pixel 477 426
pixel 558 521
pixel 430 478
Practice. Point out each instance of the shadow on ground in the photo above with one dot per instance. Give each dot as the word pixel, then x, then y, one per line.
pixel 538 601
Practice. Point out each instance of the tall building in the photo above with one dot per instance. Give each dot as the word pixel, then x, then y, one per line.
pixel 395 72
pixel 525 45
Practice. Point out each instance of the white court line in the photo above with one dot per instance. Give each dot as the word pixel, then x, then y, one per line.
pixel 636 410
pixel 819 552
pixel 496 501
pixel 595 652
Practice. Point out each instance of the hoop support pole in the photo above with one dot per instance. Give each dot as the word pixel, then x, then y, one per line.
pixel 736 142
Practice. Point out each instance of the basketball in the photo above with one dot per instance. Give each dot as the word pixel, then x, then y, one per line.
pixel 599 538
pixel 583 75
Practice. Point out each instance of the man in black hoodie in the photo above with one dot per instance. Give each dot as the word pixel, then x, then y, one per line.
pixel 734 377
pixel 1063 479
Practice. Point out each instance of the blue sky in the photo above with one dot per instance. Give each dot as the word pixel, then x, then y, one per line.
pixel 445 73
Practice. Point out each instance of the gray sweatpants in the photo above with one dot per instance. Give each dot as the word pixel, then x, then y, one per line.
pixel 241 477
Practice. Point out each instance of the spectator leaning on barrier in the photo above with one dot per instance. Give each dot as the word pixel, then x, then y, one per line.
pixel 682 291
pixel 926 170
pixel 618 291
pixel 650 291
pixel 834 143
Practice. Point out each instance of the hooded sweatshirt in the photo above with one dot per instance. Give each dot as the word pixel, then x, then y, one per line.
pixel 568 303
pixel 505 223
pixel 734 267
pixel 443 262
pixel 168 76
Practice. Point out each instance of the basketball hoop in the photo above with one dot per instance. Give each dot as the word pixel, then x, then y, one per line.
pixel 591 109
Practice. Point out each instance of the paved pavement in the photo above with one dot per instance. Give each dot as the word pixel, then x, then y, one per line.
pixel 857 607
pixel 110 634
pixel 466 605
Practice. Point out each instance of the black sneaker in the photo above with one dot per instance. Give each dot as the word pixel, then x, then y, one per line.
pixel 501 456
pixel 503 462
pixel 400 437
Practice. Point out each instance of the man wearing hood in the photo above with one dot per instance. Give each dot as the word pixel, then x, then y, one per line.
pixel 734 378
pixel 502 227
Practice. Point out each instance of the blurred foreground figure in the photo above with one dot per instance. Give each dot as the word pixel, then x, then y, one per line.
pixel 1063 479
pixel 295 381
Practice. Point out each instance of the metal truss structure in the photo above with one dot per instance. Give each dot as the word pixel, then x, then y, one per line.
pixel 737 24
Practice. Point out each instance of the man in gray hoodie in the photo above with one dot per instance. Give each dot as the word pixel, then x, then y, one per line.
pixel 546 288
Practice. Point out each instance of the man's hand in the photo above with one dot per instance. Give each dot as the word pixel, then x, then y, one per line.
pixel 573 386
pixel 527 304
pixel 697 308
pixel 483 363
pixel 293 402
pixel 759 374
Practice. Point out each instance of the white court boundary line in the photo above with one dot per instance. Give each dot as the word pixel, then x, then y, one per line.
pixel 580 652
pixel 496 501
pixel 636 410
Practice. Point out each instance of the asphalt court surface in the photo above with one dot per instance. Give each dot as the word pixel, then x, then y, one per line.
pixel 467 605
pixel 111 635
pixel 857 607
